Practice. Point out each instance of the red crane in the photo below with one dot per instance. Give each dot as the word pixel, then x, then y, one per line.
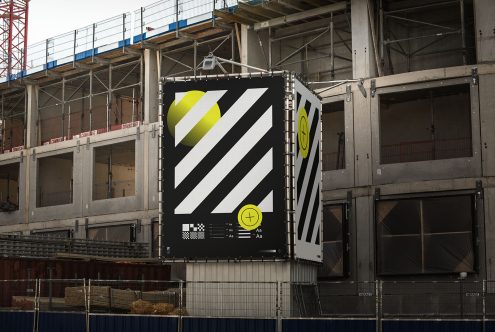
pixel 13 36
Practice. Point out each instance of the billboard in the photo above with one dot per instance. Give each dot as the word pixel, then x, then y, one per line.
pixel 223 168
pixel 308 176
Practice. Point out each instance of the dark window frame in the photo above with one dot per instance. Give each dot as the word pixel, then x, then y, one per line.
pixel 346 213
pixel 419 90
pixel 476 196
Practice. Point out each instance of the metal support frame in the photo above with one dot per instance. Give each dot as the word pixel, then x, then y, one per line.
pixel 58 94
pixel 195 63
pixel 444 32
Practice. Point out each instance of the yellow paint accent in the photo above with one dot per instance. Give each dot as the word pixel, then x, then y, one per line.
pixel 177 111
pixel 303 130
pixel 250 217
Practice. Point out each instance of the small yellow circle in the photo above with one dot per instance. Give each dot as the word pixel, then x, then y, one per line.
pixel 177 111
pixel 250 217
pixel 303 132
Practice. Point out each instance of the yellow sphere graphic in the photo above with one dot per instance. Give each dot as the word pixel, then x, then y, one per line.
pixel 250 217
pixel 303 132
pixel 177 111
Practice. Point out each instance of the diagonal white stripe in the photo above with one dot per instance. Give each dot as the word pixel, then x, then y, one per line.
pixel 267 204
pixel 215 134
pixel 246 185
pixel 304 188
pixel 196 113
pixel 317 225
pixel 179 96
pixel 226 164
pixel 299 159
pixel 314 190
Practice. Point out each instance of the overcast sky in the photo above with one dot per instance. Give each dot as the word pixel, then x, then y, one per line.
pixel 48 18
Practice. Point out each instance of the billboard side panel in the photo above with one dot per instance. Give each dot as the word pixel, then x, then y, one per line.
pixel 308 177
pixel 223 169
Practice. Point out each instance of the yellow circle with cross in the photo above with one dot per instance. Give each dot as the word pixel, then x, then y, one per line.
pixel 303 132
pixel 250 217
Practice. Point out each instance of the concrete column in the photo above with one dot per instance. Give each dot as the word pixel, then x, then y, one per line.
pixel 485 30
pixel 364 238
pixel 251 50
pixel 363 61
pixel 32 116
pixel 151 78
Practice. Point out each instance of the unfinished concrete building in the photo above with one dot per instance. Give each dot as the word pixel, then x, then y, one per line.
pixel 408 125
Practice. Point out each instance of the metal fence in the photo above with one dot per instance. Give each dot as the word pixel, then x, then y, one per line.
pixel 364 300
pixel 118 32
pixel 41 246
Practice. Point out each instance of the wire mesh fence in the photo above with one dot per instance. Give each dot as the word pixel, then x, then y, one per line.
pixel 368 299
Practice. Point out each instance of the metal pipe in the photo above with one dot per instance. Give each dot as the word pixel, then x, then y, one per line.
pixel 232 50
pixel 382 36
pixel 195 59
pixel 422 22
pixel 133 104
pixel 177 18
pixel 302 47
pixel 160 196
pixel 243 65
pixel 269 48
pixel 123 32
pixel 420 37
pixel 74 50
pixel 332 50
pixel 438 4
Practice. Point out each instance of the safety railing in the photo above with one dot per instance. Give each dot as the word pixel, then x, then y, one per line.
pixel 39 246
pixel 426 150
pixel 117 32
pixel 378 300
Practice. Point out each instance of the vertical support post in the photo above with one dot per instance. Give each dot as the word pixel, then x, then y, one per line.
pixel 90 99
pixel 332 48
pixel 181 303
pixel 213 14
pixel 232 50
pixel 382 36
pixel 109 96
pixel 86 304
pixel 74 49
pixel 269 48
pixel 177 18
pixel 463 32
pixel 378 309
pixel 142 27
pixel 93 43
pixel 2 130
pixel 278 305
pixel 195 59
pixel 484 305
pixel 133 104
pixel 46 55
pixel 63 108
pixel 160 196
pixel 50 288
pixel 123 32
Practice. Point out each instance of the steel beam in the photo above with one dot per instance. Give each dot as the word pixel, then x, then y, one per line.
pixel 300 16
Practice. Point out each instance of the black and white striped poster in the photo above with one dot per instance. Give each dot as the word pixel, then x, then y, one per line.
pixel 308 178
pixel 223 193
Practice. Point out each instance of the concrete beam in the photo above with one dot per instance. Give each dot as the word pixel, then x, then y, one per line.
pixel 275 22
pixel 151 78
pixel 252 52
pixel 485 30
pixel 363 60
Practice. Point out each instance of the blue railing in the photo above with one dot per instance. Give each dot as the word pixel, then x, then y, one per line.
pixel 116 32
